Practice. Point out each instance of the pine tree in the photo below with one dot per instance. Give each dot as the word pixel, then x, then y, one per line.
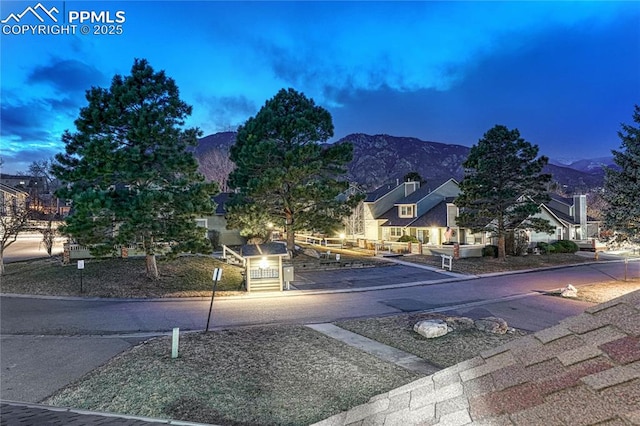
pixel 503 186
pixel 129 171
pixel 283 170
pixel 622 187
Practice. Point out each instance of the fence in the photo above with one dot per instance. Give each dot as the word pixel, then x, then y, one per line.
pixel 77 251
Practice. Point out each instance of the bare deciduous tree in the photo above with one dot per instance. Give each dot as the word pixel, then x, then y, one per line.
pixel 14 218
pixel 215 165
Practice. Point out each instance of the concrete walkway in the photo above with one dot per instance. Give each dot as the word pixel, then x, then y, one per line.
pixel 377 349
pixel 585 370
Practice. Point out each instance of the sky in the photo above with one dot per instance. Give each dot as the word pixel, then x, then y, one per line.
pixel 566 74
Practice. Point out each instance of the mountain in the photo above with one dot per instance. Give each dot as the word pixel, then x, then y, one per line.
pixel 381 159
pixel 593 166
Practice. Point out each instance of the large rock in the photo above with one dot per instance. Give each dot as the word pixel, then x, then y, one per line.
pixel 569 291
pixel 460 323
pixel 431 328
pixel 492 325
pixel 311 253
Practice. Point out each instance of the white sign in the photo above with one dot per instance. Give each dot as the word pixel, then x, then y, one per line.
pixel 80 264
pixel 217 274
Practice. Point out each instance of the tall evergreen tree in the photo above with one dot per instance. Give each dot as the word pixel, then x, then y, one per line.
pixel 128 169
pixel 503 186
pixel 282 168
pixel 622 187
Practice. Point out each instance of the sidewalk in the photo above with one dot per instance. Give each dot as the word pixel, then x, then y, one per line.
pixel 585 370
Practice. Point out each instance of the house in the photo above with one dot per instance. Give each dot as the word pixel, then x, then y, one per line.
pixel 429 213
pixel 216 225
pixel 426 212
pixel 12 199
pixel 569 217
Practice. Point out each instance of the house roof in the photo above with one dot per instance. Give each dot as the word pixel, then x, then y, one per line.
pixel 13 191
pixel 220 200
pixel 564 200
pixel 582 371
pixel 379 193
pixel 436 216
pixel 259 250
pixel 427 188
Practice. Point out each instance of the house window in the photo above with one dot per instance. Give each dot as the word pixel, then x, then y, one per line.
pixel 395 232
pixel 201 223
pixel 406 211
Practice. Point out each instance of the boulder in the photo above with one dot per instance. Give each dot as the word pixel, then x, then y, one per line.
pixel 311 253
pixel 569 291
pixel 431 328
pixel 492 325
pixel 459 323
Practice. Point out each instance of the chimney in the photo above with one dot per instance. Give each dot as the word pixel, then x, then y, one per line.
pixel 580 213
pixel 410 187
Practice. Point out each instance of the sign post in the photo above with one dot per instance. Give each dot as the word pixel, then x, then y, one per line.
pixel 80 267
pixel 217 274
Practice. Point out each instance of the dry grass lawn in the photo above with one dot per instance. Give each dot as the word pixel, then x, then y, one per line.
pixel 445 351
pixel 124 278
pixel 276 375
pixel 487 265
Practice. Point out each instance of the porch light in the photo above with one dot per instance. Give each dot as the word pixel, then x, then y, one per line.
pixel 263 264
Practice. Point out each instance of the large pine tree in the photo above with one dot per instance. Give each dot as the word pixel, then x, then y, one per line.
pixel 284 173
pixel 622 187
pixel 503 186
pixel 129 171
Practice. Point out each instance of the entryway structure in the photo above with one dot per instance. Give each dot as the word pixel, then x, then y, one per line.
pixel 263 266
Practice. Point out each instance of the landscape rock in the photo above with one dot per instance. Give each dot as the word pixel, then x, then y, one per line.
pixel 492 325
pixel 569 291
pixel 311 253
pixel 460 323
pixel 431 328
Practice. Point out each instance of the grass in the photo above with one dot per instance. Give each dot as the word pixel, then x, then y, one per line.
pixel 275 375
pixel 487 265
pixel 445 351
pixel 605 291
pixel 122 278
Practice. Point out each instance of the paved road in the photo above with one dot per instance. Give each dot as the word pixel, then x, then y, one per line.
pixel 100 316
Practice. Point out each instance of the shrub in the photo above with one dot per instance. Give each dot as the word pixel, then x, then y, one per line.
pixel 565 246
pixel 546 248
pixel 490 251
pixel 408 239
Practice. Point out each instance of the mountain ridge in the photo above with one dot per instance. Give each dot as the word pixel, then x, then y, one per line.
pixel 382 158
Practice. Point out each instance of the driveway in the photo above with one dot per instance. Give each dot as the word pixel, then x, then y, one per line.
pixel 363 277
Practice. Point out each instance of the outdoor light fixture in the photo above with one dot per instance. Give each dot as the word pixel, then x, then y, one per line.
pixel 263 264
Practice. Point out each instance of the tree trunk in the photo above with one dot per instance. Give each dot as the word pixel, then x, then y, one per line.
pixel 502 255
pixel 152 267
pixel 291 244
pixel 2 262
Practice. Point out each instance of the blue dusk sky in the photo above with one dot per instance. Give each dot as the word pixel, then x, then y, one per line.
pixel 566 74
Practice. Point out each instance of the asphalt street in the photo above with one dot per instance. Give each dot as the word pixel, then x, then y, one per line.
pixel 47 343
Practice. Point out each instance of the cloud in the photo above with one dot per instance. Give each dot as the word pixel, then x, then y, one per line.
pixel 66 75
pixel 226 112
pixel 405 46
